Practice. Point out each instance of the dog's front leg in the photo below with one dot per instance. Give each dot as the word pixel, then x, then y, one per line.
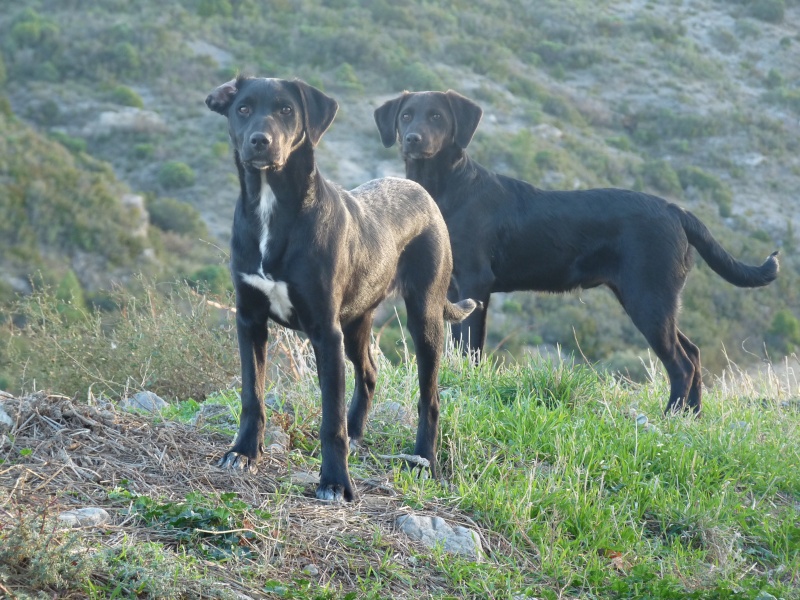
pixel 253 334
pixel 334 480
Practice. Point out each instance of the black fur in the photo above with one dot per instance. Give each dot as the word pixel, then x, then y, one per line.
pixel 319 259
pixel 508 235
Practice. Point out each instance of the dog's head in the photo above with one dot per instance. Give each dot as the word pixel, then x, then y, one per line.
pixel 268 119
pixel 427 122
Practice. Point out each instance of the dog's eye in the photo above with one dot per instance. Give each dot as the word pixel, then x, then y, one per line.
pixel 406 116
pixel 286 110
pixel 244 111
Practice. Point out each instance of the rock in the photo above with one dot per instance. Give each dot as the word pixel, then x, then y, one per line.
pixel 84 517
pixel 6 422
pixel 547 132
pixel 435 531
pixel 146 401
pixel 311 570
pixel 277 440
pixel 136 204
pixel 393 412
pixel 213 414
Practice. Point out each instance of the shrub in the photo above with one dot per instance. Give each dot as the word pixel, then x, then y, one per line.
pixel 73 144
pixel 173 215
pixel 175 174
pixel 785 331
pixel 214 279
pixel 212 8
pixel 771 11
pixel 660 175
pixel 125 96
pixel 172 344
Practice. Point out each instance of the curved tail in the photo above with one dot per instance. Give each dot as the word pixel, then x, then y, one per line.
pixel 455 313
pixel 725 265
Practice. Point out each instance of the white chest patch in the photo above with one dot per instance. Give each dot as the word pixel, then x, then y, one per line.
pixel 264 212
pixel 276 291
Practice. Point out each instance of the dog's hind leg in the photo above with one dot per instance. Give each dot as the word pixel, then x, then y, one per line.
pixel 427 330
pixel 252 334
pixel 357 337
pixel 654 316
pixel 334 481
pixel 696 389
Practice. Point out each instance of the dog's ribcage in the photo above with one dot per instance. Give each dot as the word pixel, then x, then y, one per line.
pixel 276 291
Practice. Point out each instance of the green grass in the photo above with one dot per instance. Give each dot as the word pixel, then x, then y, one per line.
pixel 578 498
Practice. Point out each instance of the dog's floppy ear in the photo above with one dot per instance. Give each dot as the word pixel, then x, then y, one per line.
pixel 319 110
pixel 466 114
pixel 220 99
pixel 386 120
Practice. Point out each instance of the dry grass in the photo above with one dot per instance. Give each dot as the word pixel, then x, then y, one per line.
pixel 59 455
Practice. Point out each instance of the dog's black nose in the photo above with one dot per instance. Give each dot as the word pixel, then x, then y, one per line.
pixel 260 140
pixel 413 138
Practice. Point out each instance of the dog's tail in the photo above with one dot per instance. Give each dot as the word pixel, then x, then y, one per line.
pixel 455 313
pixel 719 259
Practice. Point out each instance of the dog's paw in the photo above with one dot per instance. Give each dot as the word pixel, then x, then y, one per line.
pixel 234 461
pixel 334 492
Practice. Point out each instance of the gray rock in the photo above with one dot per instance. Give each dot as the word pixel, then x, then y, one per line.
pixel 277 440
pixel 84 517
pixel 146 401
pixel 435 531
pixel 6 422
pixel 311 570
pixel 393 412
pixel 213 414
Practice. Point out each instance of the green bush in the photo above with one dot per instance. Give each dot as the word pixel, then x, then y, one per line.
pixel 709 187
pixel 660 175
pixel 73 144
pixel 125 96
pixel 173 215
pixel 213 8
pixel 214 279
pixel 771 11
pixel 785 331
pixel 175 174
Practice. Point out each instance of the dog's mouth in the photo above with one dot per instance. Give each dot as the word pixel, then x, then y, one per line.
pixel 418 154
pixel 261 164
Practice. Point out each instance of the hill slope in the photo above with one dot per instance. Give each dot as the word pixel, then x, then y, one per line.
pixel 696 102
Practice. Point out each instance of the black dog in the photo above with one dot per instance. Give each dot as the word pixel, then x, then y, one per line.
pixel 313 257
pixel 508 235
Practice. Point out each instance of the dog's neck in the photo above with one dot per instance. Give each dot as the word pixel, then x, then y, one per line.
pixel 292 187
pixel 435 172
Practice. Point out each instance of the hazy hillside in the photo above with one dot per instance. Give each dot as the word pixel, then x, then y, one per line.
pixel 696 101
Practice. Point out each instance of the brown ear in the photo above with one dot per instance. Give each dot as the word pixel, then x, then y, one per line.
pixel 466 114
pixel 319 110
pixel 220 99
pixel 386 120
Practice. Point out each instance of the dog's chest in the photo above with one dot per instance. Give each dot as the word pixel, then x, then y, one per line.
pixel 277 292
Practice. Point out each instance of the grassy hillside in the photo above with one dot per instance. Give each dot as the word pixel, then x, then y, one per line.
pixel 697 102
pixel 575 482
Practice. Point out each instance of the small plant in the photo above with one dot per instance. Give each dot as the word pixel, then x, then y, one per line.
pixel 218 528
pixel 174 175
pixel 771 11
pixel 170 214
pixel 125 96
